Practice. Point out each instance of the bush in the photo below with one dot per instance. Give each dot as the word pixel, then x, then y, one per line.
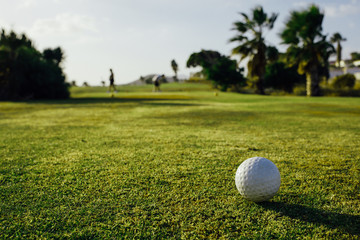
pixel 280 77
pixel 343 81
pixel 341 92
pixel 299 90
pixel 197 80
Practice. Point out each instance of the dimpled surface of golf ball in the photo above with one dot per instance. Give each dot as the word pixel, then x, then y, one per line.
pixel 257 179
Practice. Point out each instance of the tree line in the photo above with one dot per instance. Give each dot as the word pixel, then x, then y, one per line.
pixel 26 73
pixel 305 60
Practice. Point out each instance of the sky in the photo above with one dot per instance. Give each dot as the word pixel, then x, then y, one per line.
pixel 140 37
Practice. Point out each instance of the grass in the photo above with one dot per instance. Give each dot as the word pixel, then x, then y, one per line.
pixel 149 165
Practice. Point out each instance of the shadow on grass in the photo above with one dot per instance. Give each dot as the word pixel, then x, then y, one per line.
pixel 155 101
pixel 346 222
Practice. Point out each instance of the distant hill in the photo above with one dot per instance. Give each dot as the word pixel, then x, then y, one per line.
pixel 148 79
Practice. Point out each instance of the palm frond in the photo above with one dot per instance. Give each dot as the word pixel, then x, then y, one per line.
pixel 241 27
pixel 245 16
pixel 271 20
pixel 238 38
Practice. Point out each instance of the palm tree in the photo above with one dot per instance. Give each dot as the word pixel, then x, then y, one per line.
pixel 337 38
pixel 253 46
pixel 308 47
pixel 174 66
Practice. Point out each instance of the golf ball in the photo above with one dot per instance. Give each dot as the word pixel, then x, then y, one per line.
pixel 257 179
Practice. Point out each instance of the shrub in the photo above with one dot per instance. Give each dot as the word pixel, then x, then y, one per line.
pixel 280 77
pixel 299 90
pixel 343 81
pixel 340 92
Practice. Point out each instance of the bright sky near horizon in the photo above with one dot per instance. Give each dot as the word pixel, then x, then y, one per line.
pixel 140 37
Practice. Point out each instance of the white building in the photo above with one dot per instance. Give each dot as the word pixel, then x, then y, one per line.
pixel 352 70
pixel 356 63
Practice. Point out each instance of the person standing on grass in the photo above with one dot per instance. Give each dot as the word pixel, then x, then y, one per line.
pixel 111 78
pixel 157 80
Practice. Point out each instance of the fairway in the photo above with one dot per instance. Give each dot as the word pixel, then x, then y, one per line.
pixel 145 165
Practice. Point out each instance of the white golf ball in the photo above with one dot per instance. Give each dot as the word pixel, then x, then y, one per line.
pixel 257 179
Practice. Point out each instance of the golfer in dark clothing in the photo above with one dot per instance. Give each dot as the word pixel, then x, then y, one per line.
pixel 157 79
pixel 111 78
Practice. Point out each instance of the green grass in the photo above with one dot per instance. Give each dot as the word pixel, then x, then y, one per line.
pixel 149 165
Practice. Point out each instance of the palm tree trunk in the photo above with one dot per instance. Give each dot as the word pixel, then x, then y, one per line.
pixel 260 71
pixel 260 85
pixel 312 82
pixel 338 54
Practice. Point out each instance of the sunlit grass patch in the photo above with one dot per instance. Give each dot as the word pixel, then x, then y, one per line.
pixel 162 165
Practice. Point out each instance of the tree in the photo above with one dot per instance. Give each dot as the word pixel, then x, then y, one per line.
pixel 272 54
pixel 355 56
pixel 337 38
pixel 10 46
pixel 55 55
pixel 204 58
pixel 25 73
pixel 253 46
pixel 279 76
pixel 221 70
pixel 174 66
pixel 308 47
